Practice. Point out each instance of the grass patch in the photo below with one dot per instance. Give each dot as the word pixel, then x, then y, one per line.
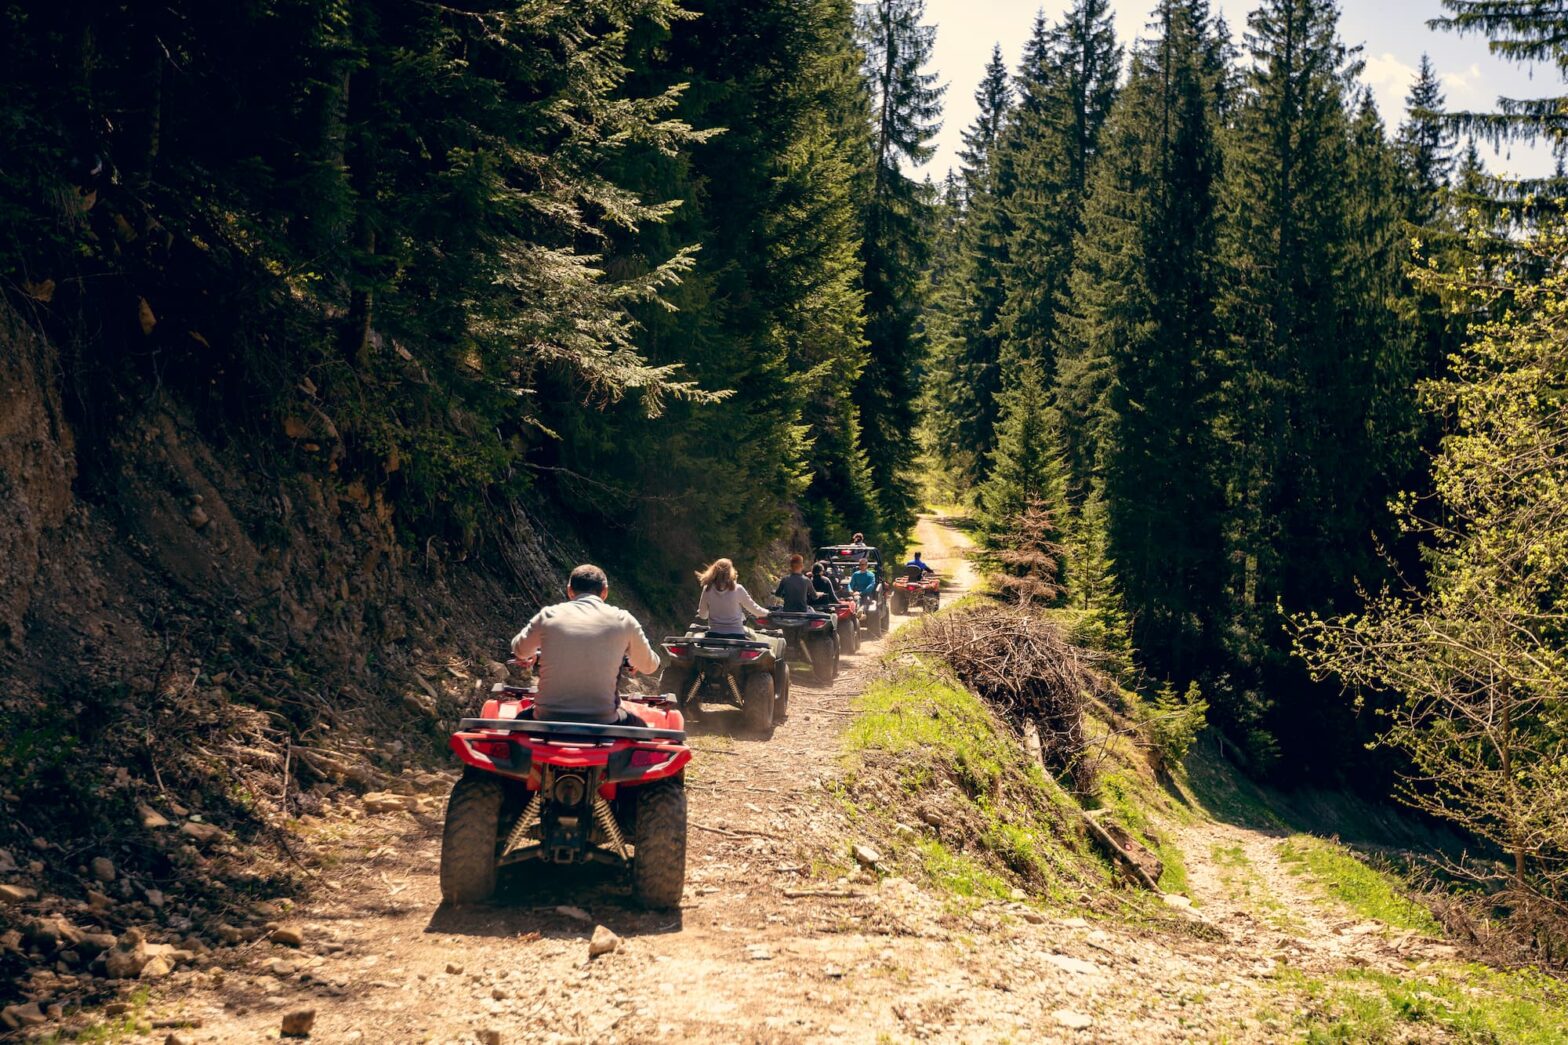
pixel 1367 891
pixel 1468 1003
pixel 1005 824
pixel 1124 796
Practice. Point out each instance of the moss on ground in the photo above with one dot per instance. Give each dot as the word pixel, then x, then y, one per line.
pixel 1340 876
pixel 1465 1003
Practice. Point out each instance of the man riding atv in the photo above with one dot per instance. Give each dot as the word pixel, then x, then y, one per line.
pixel 580 646
pixel 916 569
pixel 795 587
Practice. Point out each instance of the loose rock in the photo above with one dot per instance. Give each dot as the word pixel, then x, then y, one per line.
pixel 151 820
pixel 103 868
pixel 1072 1020
pixel 603 942
pixel 203 833
pixel 288 936
pixel 866 856
pixel 157 968
pixel 298 1024
pixel 16 1017
pixel 489 1037
pixel 386 802
pixel 16 893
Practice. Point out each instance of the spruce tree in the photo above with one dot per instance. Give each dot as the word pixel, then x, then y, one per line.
pixel 1025 467
pixel 972 357
pixel 994 97
pixel 906 105
pixel 1140 344
pixel 1314 355
pixel 1066 86
pixel 1425 145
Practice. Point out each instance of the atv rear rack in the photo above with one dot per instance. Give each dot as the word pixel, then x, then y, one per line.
pixel 545 727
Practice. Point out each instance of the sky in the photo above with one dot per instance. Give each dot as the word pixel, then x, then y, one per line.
pixel 1392 34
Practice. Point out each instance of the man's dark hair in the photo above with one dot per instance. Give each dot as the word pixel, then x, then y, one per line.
pixel 587 579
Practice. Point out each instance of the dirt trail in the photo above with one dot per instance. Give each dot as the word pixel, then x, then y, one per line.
pixel 761 951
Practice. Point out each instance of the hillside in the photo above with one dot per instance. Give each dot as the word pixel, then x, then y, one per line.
pixel 850 881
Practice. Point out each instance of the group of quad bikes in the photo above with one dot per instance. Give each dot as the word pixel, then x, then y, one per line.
pixel 579 793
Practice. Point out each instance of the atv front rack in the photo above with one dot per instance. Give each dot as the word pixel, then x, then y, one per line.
pixel 545 727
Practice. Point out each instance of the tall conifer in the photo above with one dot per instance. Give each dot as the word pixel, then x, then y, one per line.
pixel 906 106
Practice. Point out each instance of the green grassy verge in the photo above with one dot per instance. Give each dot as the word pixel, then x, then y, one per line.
pixel 1465 1003
pixel 1369 892
pixel 1128 798
pixel 1004 823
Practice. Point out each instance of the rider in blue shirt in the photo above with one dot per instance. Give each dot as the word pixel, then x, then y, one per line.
pixel 862 581
pixel 916 569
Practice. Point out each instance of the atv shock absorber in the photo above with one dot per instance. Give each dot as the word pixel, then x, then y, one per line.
pixel 606 821
pixel 520 830
pixel 734 689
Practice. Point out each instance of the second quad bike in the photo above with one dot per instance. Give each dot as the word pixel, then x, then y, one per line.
pixel 810 636
pixel 923 592
pixel 567 793
pixel 748 673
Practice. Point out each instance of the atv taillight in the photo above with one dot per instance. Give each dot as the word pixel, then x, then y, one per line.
pixel 498 750
pixel 646 757
pixel 816 624
pixel 750 654
pixel 764 622
pixel 678 651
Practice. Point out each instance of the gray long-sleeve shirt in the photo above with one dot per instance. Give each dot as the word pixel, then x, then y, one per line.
pixel 726 610
pixel 580 646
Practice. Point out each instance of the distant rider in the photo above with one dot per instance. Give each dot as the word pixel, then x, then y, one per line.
pixel 863 582
pixel 916 569
pixel 858 541
pixel 822 586
pixel 795 588
pixel 579 646
pixel 725 602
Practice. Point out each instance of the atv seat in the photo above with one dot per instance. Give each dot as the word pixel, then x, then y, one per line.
pixel 584 730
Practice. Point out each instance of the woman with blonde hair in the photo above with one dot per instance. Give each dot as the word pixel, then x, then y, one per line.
pixel 725 601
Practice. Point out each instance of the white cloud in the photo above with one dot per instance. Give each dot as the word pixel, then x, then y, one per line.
pixel 1390 81
pixel 1463 83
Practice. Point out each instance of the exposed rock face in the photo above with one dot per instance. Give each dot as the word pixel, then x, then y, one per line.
pixel 37 465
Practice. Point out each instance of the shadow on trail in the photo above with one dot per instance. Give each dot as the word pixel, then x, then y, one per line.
pixel 527 899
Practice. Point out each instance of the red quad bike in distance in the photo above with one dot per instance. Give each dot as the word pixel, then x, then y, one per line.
pixel 567 793
pixel 908 593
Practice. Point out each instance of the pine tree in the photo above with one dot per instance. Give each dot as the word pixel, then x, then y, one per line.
pixel 1312 356
pixel 994 97
pixel 1140 342
pixel 1066 86
pixel 971 360
pixel 1425 145
pixel 906 104
pixel 1025 467
pixel 771 310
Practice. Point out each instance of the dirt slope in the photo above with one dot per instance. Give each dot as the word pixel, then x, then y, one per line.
pixel 762 951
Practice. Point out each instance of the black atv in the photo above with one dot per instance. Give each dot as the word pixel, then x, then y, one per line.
pixel 873 610
pixel 747 673
pixel 810 637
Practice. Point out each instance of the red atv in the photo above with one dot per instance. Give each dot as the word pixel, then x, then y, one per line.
pixel 910 592
pixel 567 793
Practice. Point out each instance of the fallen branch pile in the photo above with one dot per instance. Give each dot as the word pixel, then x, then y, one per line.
pixel 1024 667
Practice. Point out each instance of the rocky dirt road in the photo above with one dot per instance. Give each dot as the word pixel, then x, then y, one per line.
pixel 764 949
